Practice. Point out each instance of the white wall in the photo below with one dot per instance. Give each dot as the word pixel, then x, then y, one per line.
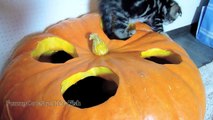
pixel 189 8
pixel 19 18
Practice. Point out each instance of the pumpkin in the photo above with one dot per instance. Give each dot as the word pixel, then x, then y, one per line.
pixel 73 71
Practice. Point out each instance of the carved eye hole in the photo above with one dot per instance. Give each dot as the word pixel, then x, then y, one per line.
pixel 54 50
pixel 161 56
pixel 56 57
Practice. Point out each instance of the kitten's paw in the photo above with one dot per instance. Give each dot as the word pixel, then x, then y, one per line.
pixel 121 34
pixel 124 34
pixel 157 29
pixel 132 32
pixel 131 29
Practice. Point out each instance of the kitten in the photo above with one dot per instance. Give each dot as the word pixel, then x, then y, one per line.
pixel 117 15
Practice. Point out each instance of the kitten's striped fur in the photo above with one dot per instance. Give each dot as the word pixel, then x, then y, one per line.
pixel 118 14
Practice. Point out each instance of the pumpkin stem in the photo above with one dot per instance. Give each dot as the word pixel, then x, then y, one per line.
pixel 98 46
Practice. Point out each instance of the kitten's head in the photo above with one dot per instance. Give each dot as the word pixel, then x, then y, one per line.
pixel 173 11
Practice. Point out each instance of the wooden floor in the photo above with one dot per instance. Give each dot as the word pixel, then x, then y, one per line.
pixel 198 52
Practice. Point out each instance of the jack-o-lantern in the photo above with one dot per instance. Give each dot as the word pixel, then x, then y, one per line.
pixel 72 71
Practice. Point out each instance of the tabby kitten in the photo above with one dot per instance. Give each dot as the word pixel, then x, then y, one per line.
pixel 117 15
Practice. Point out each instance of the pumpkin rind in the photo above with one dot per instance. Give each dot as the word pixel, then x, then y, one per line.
pixel 146 90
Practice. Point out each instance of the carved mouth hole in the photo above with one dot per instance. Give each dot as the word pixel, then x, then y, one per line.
pixel 57 57
pixel 90 91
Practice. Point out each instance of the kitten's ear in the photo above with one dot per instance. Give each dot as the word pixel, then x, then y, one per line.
pixel 179 11
pixel 175 10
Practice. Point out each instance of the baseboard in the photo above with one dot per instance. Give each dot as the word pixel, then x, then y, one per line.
pixel 188 28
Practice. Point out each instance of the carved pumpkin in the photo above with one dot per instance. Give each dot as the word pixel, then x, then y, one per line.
pixel 73 71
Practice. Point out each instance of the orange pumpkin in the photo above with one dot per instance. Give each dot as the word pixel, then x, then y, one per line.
pixel 147 77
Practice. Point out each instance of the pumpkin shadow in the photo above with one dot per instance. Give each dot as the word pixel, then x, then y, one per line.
pixel 13 22
pixel 93 6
